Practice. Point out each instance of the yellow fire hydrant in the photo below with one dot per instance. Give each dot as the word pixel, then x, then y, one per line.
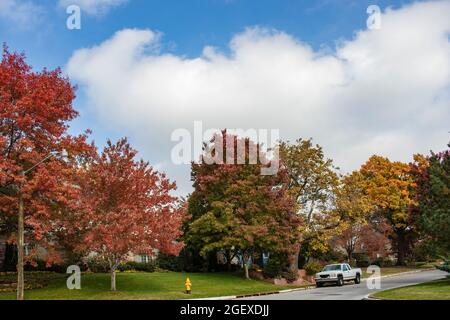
pixel 188 286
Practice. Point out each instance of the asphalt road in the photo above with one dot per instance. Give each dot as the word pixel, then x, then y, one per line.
pixel 350 291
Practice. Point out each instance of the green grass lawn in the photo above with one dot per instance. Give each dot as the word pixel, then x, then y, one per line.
pixel 157 285
pixel 163 286
pixel 435 290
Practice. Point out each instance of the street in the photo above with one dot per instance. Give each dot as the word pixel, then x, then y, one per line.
pixel 350 291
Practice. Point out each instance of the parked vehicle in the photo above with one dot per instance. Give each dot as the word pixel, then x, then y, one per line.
pixel 338 274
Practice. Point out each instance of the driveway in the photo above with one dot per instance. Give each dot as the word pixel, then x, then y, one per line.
pixel 351 291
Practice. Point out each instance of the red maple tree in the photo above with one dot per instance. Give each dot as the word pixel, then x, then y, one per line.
pixel 35 109
pixel 127 208
pixel 370 238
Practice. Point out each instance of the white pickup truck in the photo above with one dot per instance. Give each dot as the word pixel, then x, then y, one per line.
pixel 338 273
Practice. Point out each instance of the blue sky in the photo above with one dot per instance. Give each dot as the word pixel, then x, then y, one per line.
pixel 187 26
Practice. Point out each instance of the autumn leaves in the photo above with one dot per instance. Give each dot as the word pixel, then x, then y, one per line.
pixel 105 203
pixel 111 204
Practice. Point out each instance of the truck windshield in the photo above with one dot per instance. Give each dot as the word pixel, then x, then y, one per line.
pixel 333 267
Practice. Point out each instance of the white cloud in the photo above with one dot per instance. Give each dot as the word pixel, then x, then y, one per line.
pixel 385 91
pixel 93 7
pixel 23 14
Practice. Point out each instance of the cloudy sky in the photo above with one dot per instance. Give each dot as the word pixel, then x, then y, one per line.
pixel 307 68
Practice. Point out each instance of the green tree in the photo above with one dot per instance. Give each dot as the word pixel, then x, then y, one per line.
pixel 237 210
pixel 312 180
pixel 433 198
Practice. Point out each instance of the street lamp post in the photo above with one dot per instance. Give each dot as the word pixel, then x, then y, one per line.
pixel 20 247
pixel 20 231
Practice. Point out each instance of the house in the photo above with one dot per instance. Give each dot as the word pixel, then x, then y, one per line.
pixel 143 258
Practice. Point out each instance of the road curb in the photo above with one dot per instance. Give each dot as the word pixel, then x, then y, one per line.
pixel 297 289
pixel 255 294
pixel 368 297
pixel 215 298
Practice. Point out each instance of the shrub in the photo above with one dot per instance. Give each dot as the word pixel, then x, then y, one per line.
pixel 33 280
pixel 97 265
pixel 424 251
pixel 362 260
pixel 352 263
pixel 137 266
pixel 384 262
pixel 312 267
pixel 171 263
pixel 332 256
pixel 446 265
pixel 40 265
pixel 290 276
pixel 362 263
pixel 420 264
pixel 275 265
pixel 255 267
pixel 388 262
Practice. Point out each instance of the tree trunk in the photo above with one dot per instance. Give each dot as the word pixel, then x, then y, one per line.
pixel 247 276
pixel 20 251
pixel 401 248
pixel 293 259
pixel 228 258
pixel 113 279
pixel 245 260
pixel 349 255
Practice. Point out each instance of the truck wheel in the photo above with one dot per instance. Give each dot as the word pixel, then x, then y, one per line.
pixel 319 285
pixel 340 281
pixel 357 279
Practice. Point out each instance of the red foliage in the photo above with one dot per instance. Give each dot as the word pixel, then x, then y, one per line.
pixel 35 108
pixel 126 207
pixel 370 238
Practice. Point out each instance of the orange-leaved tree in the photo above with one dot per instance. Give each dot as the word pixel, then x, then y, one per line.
pixel 390 187
pixel 352 207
